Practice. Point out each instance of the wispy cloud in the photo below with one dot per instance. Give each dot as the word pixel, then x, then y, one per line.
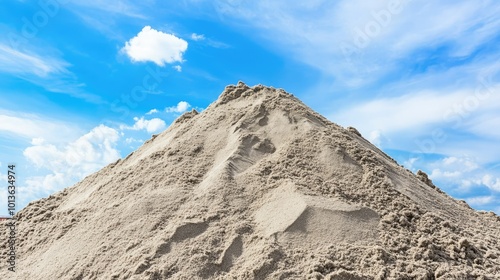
pixel 119 7
pixel 480 201
pixel 29 126
pixel 201 38
pixel 44 70
pixel 358 42
pixel 197 37
pixel 105 16
pixel 448 119
pixel 21 63
pixel 177 68
pixel 464 109
pixel 152 111
pixel 413 111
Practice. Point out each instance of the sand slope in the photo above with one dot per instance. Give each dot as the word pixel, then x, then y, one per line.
pixel 257 186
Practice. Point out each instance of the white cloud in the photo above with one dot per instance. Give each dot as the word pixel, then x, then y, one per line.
pixel 197 37
pixel 181 107
pixel 491 183
pixel 155 46
pixel 121 7
pixel 396 114
pixel 151 126
pixel 430 121
pixel 375 137
pixel 131 140
pixel 31 126
pixel 178 68
pixel 18 62
pixel 454 168
pixel 87 153
pixel 410 163
pixel 478 201
pixel 69 163
pixel 37 141
pixel 389 33
pixel 46 156
pixel 440 174
pixel 152 111
pixel 39 66
pixel 208 41
pixel 483 124
pixel 462 175
pixel 39 186
pixel 464 163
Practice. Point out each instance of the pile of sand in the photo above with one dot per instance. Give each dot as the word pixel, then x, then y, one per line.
pixel 257 186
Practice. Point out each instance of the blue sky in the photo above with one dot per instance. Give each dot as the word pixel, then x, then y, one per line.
pixel 83 83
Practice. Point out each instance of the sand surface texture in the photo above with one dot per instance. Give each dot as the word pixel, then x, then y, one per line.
pixel 257 186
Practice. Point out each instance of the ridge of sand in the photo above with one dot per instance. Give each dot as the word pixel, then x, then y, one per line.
pixel 257 186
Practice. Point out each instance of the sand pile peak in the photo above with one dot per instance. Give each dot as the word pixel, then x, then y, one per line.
pixel 257 186
pixel 232 92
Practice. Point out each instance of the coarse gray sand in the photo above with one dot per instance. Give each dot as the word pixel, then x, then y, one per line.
pixel 257 186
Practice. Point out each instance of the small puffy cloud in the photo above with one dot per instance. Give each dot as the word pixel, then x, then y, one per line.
pixel 155 46
pixel 178 68
pixel 132 140
pixel 151 126
pixel 181 107
pixel 453 167
pixel 197 37
pixel 97 145
pixel 491 183
pixel 152 111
